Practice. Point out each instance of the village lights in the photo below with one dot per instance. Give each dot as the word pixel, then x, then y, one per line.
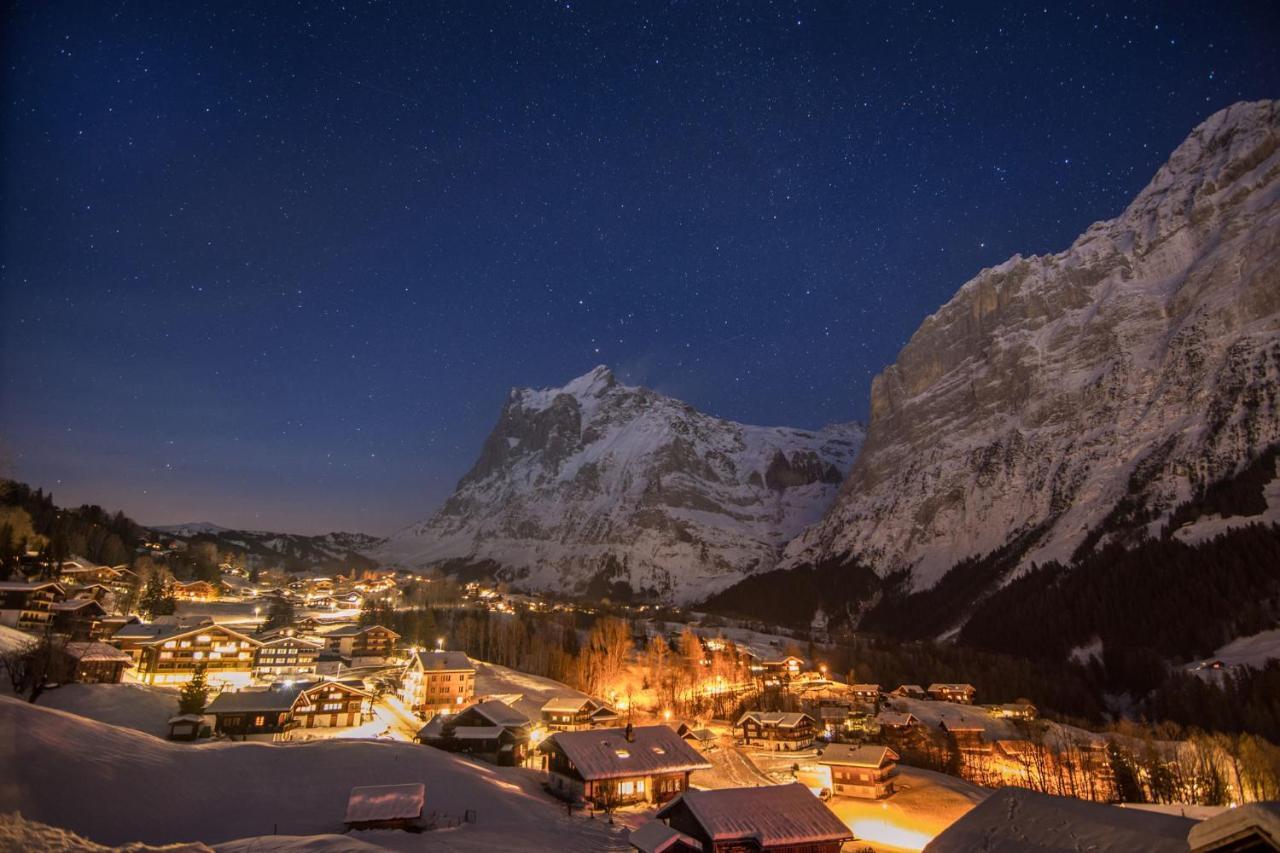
pixel 666 714
pixel 439 644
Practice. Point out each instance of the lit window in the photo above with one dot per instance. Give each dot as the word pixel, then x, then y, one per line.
pixel 185 644
pixel 169 644
pixel 204 638
pixel 166 655
pixel 622 753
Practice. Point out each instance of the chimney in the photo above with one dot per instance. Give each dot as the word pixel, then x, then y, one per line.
pixel 631 733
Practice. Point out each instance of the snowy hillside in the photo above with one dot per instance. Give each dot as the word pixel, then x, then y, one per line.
pixel 100 781
pixel 330 551
pixel 598 481
pixel 1087 392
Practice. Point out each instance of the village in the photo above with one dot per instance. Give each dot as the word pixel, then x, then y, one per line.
pixel 685 738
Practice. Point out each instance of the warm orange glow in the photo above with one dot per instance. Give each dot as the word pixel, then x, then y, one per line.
pixel 884 832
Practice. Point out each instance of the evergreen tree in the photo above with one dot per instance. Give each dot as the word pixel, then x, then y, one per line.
pixel 280 614
pixel 157 597
pixel 195 694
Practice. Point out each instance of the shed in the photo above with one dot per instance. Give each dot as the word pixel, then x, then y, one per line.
pixel 386 806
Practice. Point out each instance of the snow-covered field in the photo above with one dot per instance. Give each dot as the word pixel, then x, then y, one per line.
pixel 534 689
pixel 924 804
pixel 114 786
pixel 1254 650
pixel 131 706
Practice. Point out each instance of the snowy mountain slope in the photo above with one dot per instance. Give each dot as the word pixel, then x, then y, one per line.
pixel 335 550
pixel 1088 391
pixel 598 481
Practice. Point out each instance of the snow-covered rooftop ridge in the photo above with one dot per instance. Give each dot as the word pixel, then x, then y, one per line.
pixel 771 816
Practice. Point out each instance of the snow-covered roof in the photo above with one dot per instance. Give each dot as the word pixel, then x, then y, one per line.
pixel 1260 820
pixel 865 688
pixel 951 688
pixel 499 713
pixel 895 719
pixel 1019 820
pixel 386 802
pixel 656 837
pixel 908 689
pixel 354 630
pixel 567 704
pixel 244 701
pixel 96 652
pixel 438 661
pixel 781 719
pixel 770 816
pixel 607 754
pixel 26 586
pixel 846 755
pixel 76 604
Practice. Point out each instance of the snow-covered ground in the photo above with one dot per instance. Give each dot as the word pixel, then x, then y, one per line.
pixel 1254 650
pixel 924 804
pixel 534 690
pixel 114 786
pixel 131 706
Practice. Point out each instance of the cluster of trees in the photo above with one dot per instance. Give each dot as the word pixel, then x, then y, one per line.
pixel 1245 699
pixel 1169 598
pixel 31 520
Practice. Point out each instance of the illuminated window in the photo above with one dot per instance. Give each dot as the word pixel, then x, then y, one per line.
pixel 169 644
pixel 166 655
pixel 204 638
pixel 622 753
pixel 332 706
pixel 185 644
pixel 197 655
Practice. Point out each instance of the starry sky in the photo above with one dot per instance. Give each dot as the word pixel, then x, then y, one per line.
pixel 276 265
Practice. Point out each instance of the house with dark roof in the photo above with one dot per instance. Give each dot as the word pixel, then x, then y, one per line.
pixel 28 605
pixel 613 767
pixel 860 771
pixel 437 681
pixel 766 819
pixel 776 731
pixel 286 706
pixel 94 663
pixel 491 729
pixel 909 691
pixel 170 653
pixel 656 837
pixel 286 656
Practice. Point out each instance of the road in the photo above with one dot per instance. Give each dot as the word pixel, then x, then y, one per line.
pixel 730 769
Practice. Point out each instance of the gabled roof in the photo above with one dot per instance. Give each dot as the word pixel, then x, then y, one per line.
pixel 96 652
pixel 145 631
pixel 71 604
pixel 345 686
pixel 290 640
pixel 178 633
pixel 1020 820
pixel 438 661
pixel 908 688
pixel 781 719
pixel 894 718
pixel 865 688
pixel 769 816
pixel 567 704
pixel 499 713
pixel 656 837
pixel 845 755
pixel 953 688
pixel 28 586
pixel 355 630
pixel 250 701
pixel 607 754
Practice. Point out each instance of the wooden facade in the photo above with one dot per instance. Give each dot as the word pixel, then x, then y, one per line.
pixel 777 730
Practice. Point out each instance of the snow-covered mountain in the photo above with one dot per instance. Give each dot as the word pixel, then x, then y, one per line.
pixel 337 550
pixel 598 482
pixel 1063 400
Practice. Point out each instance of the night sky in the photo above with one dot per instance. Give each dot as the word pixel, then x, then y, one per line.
pixel 276 266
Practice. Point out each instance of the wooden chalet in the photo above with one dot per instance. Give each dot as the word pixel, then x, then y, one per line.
pixel 1013 711
pixel 283 707
pixel 438 681
pixel 969 736
pixel 171 654
pixel 492 730
pixel 785 668
pixel 868 693
pixel 78 618
pixel 575 713
pixel 701 739
pixel 613 767
pixel 909 691
pixel 896 721
pixel 28 605
pixel 959 693
pixel 860 771
pixel 361 641
pixel 776 730
pixel 286 657
pixel 198 590
pixel 94 663
pixel 767 819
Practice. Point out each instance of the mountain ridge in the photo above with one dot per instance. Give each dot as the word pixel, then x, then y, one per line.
pixel 600 480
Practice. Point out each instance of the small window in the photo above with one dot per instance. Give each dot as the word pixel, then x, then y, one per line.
pixel 657 750
pixel 622 753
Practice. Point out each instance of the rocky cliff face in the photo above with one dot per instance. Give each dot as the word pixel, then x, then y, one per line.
pixel 601 482
pixel 1067 399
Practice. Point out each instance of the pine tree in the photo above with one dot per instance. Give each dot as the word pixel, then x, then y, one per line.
pixel 280 614
pixel 195 694
pixel 157 598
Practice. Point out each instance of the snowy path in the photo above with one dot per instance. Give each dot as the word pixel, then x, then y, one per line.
pixel 730 769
